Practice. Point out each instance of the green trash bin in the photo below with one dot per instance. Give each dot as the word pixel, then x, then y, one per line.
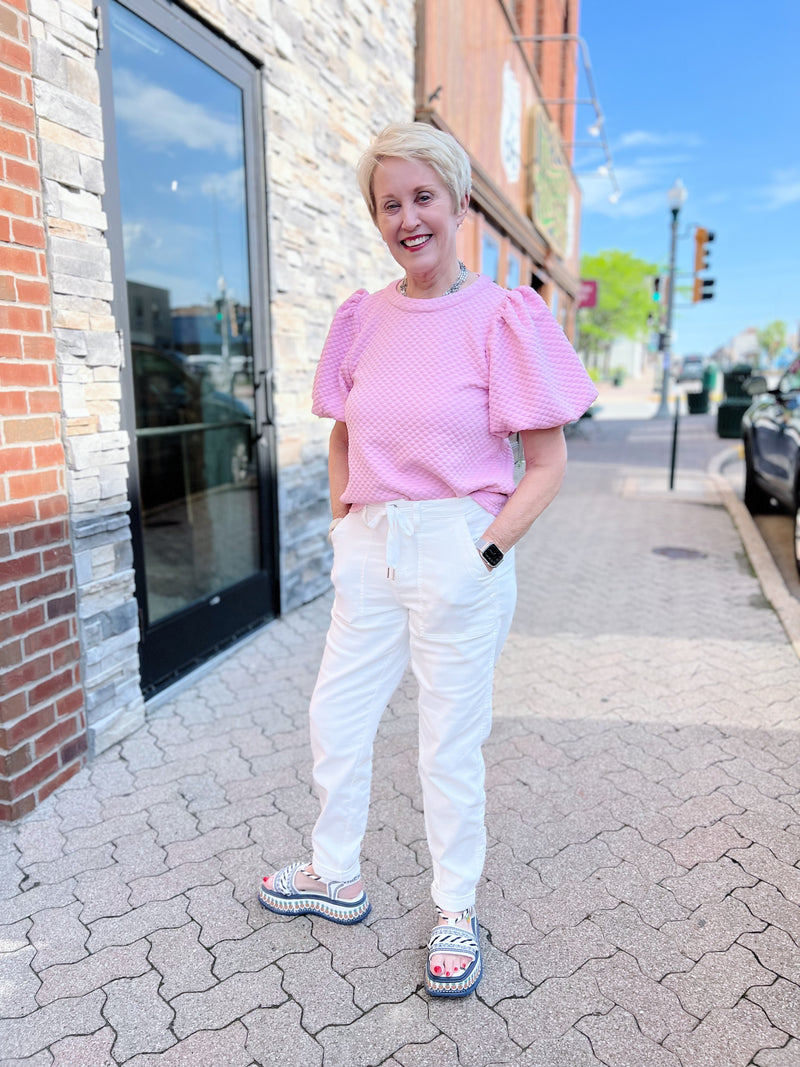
pixel 698 402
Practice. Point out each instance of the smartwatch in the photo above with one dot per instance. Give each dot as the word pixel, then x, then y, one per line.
pixel 491 555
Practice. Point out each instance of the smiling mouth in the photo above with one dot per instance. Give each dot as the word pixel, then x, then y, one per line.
pixel 416 242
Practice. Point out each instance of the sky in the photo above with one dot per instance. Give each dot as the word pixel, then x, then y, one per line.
pixel 708 93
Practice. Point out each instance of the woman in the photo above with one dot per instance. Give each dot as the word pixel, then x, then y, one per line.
pixel 425 379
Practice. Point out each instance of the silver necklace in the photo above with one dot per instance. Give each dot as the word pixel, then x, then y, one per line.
pixel 462 277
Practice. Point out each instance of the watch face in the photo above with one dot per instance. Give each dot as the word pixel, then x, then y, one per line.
pixel 492 555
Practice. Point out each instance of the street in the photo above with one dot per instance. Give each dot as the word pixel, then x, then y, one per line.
pixel 641 892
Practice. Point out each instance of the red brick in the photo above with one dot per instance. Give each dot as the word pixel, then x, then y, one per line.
pixel 23 374
pixel 25 320
pixel 53 558
pixel 12 709
pixel 66 656
pixel 28 233
pixel 14 143
pixel 22 431
pixel 50 687
pixel 47 638
pixel 44 401
pixel 8 602
pixel 75 748
pixel 57 607
pixel 11 84
pixel 15 55
pixel 33 292
pixel 7 288
pixel 16 459
pixel 37 774
pixel 15 761
pixel 43 588
pixel 45 533
pixel 26 728
pixel 19 567
pixel 10 343
pixel 32 485
pixel 22 174
pixel 19 625
pixel 21 5
pixel 52 784
pixel 17 514
pixel 5 546
pixel 16 202
pixel 49 455
pixel 39 347
pixel 13 402
pixel 11 655
pixel 32 670
pixel 52 506
pixel 73 701
pixel 63 731
pixel 15 114
pixel 23 806
pixel 21 261
pixel 5 229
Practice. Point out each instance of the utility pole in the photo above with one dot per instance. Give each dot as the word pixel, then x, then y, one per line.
pixel 676 198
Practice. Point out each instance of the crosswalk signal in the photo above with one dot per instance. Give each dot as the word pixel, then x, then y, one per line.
pixel 657 289
pixel 703 290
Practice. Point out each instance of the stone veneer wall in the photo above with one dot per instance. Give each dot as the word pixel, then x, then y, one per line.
pixel 335 71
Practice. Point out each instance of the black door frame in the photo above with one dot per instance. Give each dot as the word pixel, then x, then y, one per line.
pixel 172 646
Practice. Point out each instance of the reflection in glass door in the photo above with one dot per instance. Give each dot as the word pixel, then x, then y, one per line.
pixel 181 152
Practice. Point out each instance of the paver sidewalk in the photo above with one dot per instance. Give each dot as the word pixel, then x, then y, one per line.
pixel 641 899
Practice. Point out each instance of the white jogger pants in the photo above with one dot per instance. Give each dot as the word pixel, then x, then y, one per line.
pixel 410 584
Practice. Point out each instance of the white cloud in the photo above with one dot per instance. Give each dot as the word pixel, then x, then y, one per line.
pixel 640 138
pixel 228 187
pixel 784 189
pixel 161 118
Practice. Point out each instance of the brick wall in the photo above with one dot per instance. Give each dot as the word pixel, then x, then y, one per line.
pixel 42 722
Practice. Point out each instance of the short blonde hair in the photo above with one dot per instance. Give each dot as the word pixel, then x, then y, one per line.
pixel 422 142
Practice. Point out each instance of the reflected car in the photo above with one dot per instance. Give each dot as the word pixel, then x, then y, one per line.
pixel 691 369
pixel 771 433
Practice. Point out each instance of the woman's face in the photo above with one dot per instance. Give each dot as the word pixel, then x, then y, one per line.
pixel 414 212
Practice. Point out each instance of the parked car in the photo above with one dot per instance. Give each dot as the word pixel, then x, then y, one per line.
pixel 691 369
pixel 771 432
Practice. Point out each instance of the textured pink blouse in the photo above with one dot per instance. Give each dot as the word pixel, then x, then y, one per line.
pixel 431 389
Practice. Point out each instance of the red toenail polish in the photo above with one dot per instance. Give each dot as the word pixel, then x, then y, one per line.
pixel 437 970
pixel 447 973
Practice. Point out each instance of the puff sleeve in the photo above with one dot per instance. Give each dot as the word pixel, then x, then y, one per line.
pixel 332 382
pixel 536 380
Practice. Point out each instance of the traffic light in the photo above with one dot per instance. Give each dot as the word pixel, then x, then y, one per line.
pixel 657 289
pixel 703 289
pixel 702 239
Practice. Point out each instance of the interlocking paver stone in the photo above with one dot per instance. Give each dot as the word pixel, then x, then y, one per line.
pixel 712 927
pixel 326 999
pixel 62 1018
pixel 708 883
pixel 768 903
pixel 377 1034
pixel 562 952
pixel 138 1015
pixel 776 951
pixel 760 862
pixel 727 1035
pixel 92 1050
pixel 618 1042
pixel 274 939
pixel 37 841
pixel 781 1004
pixel 139 922
pixel 787 1056
pixel 274 1035
pixel 47 872
pixel 481 1035
pixel 205 1048
pixel 571 1049
pixel 552 1008
pixel 441 1052
pixel 657 954
pixel 58 936
pixel 656 1009
pixel 719 980
pixel 185 966
pixel 174 881
pixel 207 845
pixel 92 972
pixel 230 999
pixel 139 855
pixel 18 983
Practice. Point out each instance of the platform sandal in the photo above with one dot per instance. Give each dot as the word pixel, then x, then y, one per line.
pixel 450 939
pixel 286 899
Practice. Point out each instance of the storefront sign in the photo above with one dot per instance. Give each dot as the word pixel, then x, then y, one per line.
pixel 548 200
pixel 510 125
pixel 587 293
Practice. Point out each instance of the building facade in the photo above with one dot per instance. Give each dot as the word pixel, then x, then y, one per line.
pixel 179 220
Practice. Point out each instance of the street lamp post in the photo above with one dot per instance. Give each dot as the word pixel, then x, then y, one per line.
pixel 676 198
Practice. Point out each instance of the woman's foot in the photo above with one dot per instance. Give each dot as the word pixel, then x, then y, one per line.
pixel 447 965
pixel 306 881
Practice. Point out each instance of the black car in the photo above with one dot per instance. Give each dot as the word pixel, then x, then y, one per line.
pixel 771 432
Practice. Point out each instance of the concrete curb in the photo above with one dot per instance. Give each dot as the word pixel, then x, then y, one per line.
pixel 766 570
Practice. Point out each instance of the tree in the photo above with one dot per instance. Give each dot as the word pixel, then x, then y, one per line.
pixel 772 339
pixel 624 302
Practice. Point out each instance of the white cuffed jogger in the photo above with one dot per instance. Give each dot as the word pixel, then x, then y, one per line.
pixel 410 585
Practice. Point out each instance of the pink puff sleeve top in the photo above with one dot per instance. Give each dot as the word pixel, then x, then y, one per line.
pixel 431 389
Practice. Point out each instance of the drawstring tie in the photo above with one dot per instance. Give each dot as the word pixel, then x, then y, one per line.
pixel 400 521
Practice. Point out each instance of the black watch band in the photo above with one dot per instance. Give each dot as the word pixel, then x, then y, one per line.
pixel 489 552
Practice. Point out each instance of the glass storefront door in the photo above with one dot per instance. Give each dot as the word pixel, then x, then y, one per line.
pixel 191 260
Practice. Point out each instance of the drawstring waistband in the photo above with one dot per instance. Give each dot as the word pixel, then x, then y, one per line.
pixel 400 520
